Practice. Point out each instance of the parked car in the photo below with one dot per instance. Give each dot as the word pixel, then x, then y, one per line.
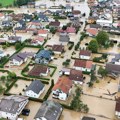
pixel 26 112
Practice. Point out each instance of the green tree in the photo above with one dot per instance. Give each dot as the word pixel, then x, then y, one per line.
pixel 102 38
pixel 93 46
pixel 64 27
pixel 12 75
pixel 4 46
pixel 3 78
pixel 1 89
pixel 53 30
pixel 17 45
pixel 103 72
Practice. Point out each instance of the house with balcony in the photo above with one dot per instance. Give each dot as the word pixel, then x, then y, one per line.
pixel 62 88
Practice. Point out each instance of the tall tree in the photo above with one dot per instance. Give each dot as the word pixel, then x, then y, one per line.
pixel 102 38
pixel 93 46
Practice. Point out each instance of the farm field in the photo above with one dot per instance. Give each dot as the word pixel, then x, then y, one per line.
pixel 6 2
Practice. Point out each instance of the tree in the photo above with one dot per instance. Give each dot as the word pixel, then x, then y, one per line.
pixel 103 72
pixel 1 89
pixel 4 46
pixel 90 84
pixel 93 46
pixel 64 27
pixel 17 45
pixel 12 75
pixel 53 30
pixel 102 38
pixel 3 78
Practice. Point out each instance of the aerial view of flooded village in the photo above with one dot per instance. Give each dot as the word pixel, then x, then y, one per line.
pixel 59 59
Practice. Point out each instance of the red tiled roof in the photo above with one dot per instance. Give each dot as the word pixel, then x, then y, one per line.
pixel 80 63
pixel 85 52
pixel 71 30
pixel 41 39
pixel 42 31
pixel 64 84
pixel 92 31
pixel 83 63
pixel 88 64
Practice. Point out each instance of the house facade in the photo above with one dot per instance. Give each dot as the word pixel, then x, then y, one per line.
pixel 85 54
pixel 83 65
pixel 35 89
pixel 62 88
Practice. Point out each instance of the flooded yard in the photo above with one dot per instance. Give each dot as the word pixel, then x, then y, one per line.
pixel 100 107
pixel 19 89
pixel 34 107
pixel 9 50
pixel 29 49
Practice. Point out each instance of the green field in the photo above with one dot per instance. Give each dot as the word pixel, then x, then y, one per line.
pixel 6 2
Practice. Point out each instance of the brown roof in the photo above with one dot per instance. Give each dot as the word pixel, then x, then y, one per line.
pixel 56 23
pixel 76 75
pixel 80 63
pixel 37 70
pixel 83 63
pixel 85 52
pixel 58 48
pixel 117 107
pixel 76 12
pixel 64 84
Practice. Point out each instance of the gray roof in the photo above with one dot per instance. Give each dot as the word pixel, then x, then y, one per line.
pixel 50 110
pixel 11 104
pixel 112 68
pixel 117 58
pixel 19 57
pixel 64 37
pixel 36 86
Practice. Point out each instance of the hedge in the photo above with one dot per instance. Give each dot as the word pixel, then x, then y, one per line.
pixel 49 91
pixel 2 65
pixel 55 68
pixel 9 87
pixel 66 106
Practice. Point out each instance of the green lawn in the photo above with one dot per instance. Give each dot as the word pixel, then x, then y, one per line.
pixel 6 2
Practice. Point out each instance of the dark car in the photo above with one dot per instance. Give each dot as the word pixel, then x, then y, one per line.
pixel 26 112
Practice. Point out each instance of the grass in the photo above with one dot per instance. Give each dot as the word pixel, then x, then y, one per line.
pixel 6 2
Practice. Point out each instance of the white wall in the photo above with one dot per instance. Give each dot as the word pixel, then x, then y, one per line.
pixel 84 57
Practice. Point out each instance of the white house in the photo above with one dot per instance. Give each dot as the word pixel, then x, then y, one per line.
pixel 76 76
pixel 83 65
pixel 12 106
pixel 38 41
pixel 65 71
pixel 85 54
pixel 39 70
pixel 58 49
pixel 107 23
pixel 35 89
pixel 43 33
pixel 62 88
